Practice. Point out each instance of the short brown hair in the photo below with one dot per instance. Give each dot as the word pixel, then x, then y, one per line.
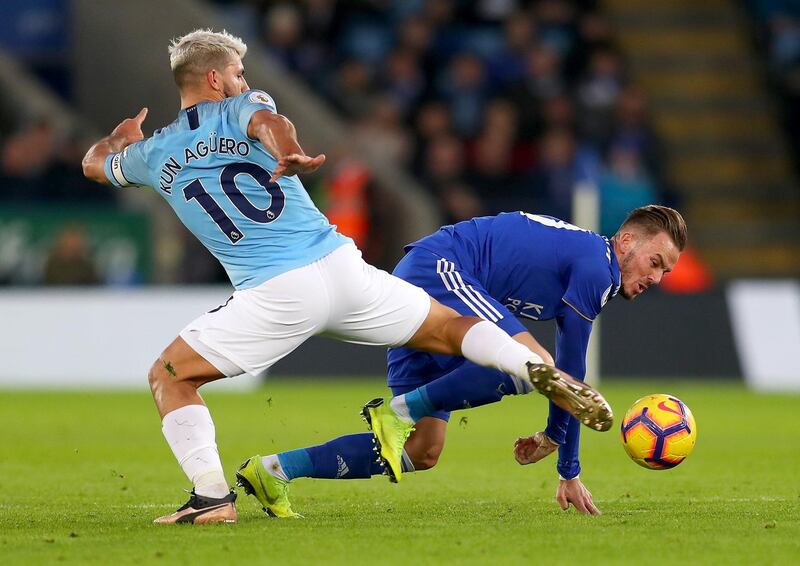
pixel 655 218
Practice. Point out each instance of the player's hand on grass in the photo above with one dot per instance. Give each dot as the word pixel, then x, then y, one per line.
pixel 532 449
pixel 129 130
pixel 574 492
pixel 295 163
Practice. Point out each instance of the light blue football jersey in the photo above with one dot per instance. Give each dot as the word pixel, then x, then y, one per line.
pixel 217 180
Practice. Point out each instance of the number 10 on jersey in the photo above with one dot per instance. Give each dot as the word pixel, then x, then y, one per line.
pixel 195 190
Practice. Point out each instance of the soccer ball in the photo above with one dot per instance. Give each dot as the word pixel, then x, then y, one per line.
pixel 658 432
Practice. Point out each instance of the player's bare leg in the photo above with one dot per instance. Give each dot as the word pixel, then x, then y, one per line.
pixel 426 443
pixel 480 341
pixel 444 331
pixel 177 374
pixel 189 430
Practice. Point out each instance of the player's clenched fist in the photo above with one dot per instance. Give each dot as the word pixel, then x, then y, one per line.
pixel 532 449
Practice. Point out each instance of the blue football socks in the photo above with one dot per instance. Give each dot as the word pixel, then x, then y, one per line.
pixel 346 457
pixel 468 386
pixel 352 456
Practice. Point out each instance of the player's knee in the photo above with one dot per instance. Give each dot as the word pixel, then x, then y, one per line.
pixel 156 375
pixel 443 331
pixel 427 458
pixel 161 373
pixel 431 335
pixel 426 462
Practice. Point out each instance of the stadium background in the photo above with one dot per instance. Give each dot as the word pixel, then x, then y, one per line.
pixel 430 112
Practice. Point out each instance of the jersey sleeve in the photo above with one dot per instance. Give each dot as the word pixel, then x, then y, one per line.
pixel 572 340
pixel 249 103
pixel 588 289
pixel 128 167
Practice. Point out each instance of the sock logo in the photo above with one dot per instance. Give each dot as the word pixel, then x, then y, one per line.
pixel 342 470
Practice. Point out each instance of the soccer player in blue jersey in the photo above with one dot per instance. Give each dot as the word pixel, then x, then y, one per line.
pixel 228 166
pixel 499 268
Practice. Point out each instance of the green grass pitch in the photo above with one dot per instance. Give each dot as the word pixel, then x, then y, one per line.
pixel 82 475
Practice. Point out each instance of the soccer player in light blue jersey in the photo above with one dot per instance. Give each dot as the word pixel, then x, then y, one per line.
pixel 502 268
pixel 228 166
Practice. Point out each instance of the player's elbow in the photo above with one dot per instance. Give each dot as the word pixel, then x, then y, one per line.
pixel 266 125
pixel 276 122
pixel 87 167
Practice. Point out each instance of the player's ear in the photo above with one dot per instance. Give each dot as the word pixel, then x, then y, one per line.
pixel 214 79
pixel 626 240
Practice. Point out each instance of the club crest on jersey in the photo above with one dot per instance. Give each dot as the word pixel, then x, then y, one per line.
pixel 260 98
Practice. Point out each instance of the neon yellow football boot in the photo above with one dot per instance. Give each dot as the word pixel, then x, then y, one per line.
pixel 389 436
pixel 271 492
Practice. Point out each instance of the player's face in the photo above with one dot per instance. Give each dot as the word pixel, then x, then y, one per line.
pixel 643 261
pixel 233 81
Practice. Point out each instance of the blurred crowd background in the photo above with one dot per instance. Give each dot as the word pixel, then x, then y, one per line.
pixel 493 106
pixel 489 105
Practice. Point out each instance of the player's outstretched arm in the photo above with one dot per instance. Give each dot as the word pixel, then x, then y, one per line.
pixel 127 132
pixel 533 448
pixel 572 341
pixel 278 136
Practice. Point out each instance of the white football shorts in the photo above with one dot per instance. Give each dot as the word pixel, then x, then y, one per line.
pixel 339 295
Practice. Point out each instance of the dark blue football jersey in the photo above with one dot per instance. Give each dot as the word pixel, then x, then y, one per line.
pixel 505 268
pixel 535 265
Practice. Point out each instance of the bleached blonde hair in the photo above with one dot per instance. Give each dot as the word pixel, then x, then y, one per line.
pixel 197 52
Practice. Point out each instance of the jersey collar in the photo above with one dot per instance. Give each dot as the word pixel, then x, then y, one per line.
pixel 613 265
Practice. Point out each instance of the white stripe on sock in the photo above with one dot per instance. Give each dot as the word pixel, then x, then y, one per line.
pixel 400 408
pixel 272 464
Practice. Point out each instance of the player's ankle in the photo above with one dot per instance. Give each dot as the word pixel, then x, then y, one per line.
pixel 488 345
pixel 211 484
pixel 272 464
